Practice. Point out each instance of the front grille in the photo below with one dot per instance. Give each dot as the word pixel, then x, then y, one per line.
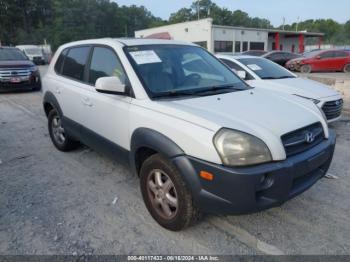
pixel 303 139
pixel 332 109
pixel 7 74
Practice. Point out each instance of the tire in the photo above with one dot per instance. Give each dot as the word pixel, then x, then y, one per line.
pixel 57 134
pixel 305 69
pixel 346 68
pixel 172 193
pixel 37 88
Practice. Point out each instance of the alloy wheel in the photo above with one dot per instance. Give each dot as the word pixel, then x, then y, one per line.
pixel 58 130
pixel 162 193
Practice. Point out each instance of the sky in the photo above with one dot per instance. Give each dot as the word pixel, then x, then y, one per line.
pixel 274 10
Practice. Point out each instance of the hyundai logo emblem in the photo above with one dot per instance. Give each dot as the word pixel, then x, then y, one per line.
pixel 309 137
pixel 337 103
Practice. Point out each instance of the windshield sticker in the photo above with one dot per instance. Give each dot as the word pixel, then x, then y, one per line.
pixel 145 57
pixel 254 67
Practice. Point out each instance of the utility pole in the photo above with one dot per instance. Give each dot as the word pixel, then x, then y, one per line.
pixel 297 25
pixel 284 22
pixel 198 9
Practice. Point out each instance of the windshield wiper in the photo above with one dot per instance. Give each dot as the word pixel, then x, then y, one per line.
pixel 215 89
pixel 174 94
pixel 200 92
pixel 278 77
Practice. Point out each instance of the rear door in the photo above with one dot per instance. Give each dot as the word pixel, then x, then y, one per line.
pixel 69 85
pixel 340 59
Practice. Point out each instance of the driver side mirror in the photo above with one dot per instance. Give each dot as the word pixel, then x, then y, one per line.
pixel 242 74
pixel 110 85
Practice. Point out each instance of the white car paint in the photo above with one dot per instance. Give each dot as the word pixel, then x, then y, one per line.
pixel 191 123
pixel 293 86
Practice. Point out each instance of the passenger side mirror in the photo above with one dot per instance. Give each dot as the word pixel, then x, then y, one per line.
pixel 318 57
pixel 242 74
pixel 110 85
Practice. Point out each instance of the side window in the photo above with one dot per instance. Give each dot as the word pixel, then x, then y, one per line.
pixel 273 56
pixel 287 56
pixel 236 68
pixel 74 64
pixel 104 62
pixel 277 56
pixel 59 62
pixel 232 65
pixel 327 55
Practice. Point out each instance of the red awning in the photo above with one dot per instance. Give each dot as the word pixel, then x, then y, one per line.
pixel 163 35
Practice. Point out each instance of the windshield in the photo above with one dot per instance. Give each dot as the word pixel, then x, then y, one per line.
pixel 33 51
pixel 266 69
pixel 11 54
pixel 168 70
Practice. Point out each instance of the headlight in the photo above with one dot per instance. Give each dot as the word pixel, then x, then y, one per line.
pixel 236 148
pixel 311 99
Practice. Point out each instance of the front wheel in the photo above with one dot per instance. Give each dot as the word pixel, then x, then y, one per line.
pixel 306 69
pixel 347 68
pixel 166 195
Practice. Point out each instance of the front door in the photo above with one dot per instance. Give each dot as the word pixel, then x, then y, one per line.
pixel 106 116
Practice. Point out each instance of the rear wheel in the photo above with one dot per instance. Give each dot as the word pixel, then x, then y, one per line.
pixel 306 69
pixel 347 68
pixel 57 133
pixel 166 195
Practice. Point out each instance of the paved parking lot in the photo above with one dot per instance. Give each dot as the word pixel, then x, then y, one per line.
pixel 82 202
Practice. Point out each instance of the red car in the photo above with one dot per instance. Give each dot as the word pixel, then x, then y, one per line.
pixel 324 60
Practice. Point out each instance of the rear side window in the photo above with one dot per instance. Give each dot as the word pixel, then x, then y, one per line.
pixel 104 63
pixel 341 54
pixel 75 61
pixel 59 63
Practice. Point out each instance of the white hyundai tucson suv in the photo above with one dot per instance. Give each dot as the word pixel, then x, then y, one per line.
pixel 263 73
pixel 199 138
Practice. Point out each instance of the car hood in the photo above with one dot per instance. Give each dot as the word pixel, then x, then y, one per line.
pixel 297 86
pixel 16 64
pixel 264 114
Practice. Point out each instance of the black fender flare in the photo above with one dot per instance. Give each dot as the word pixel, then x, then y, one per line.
pixel 49 98
pixel 152 139
pixel 145 137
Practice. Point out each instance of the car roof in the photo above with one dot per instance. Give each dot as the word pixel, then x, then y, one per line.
pixel 27 46
pixel 233 56
pixel 127 42
pixel 148 41
pixel 8 47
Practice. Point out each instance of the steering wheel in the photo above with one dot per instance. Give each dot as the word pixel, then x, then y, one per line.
pixel 192 79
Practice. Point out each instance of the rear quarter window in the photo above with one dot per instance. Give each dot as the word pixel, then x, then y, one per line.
pixel 60 60
pixel 75 62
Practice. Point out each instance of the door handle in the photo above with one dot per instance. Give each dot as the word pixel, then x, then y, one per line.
pixel 86 101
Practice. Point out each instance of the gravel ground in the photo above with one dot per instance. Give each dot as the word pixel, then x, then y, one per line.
pixel 84 203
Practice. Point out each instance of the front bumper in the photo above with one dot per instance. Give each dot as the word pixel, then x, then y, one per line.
pixel 33 82
pixel 250 189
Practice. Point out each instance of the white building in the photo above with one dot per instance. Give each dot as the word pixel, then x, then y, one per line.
pixel 217 38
